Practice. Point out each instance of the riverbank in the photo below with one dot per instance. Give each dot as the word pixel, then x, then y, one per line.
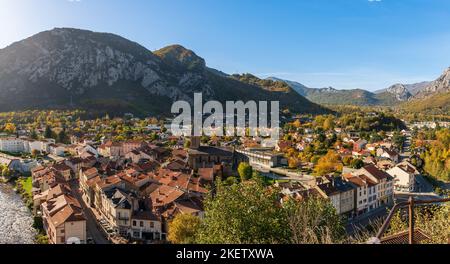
pixel 23 187
pixel 16 220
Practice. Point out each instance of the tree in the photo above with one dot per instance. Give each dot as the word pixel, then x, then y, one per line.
pixel 34 134
pixel 245 171
pixel 314 221
pixel 6 172
pixel 187 144
pixel 357 164
pixel 183 229
pixel 34 153
pixel 328 163
pixel 297 124
pixel 10 128
pixel 48 133
pixel 432 220
pixel 244 213
pixel 328 124
pixel 62 137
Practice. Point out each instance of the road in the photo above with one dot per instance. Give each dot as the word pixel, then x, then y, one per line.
pixel 423 186
pixel 93 230
pixel 406 151
pixel 366 219
pixel 403 197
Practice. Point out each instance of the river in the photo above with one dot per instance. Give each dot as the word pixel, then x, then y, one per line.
pixel 15 218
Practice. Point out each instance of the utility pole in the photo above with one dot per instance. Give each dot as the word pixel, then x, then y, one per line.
pixel 411 220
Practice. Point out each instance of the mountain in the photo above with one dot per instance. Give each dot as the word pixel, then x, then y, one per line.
pixel 439 86
pixel 413 89
pixel 416 87
pixel 433 98
pixel 435 104
pixel 332 96
pixel 73 68
pixel 298 87
pixel 399 91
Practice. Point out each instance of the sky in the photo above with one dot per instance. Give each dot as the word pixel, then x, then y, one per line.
pixel 346 44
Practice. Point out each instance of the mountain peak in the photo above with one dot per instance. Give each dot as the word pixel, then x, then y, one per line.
pixel 180 57
pixel 399 91
pixel 439 86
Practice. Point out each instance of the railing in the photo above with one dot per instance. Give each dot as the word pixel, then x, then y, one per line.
pixel 410 203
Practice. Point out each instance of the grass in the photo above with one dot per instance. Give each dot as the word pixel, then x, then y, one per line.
pixel 26 184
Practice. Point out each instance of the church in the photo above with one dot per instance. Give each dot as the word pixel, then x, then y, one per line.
pixel 207 156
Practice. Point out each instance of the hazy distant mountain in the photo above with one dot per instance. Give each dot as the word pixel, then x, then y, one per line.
pixel 65 67
pixel 332 96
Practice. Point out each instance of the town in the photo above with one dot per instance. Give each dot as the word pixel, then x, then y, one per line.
pixel 127 180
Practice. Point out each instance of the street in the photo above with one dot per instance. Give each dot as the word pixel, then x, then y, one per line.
pixel 366 219
pixel 93 230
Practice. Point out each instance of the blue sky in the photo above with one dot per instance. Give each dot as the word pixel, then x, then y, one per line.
pixel 368 44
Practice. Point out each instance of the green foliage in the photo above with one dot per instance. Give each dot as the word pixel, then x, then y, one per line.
pixel 183 229
pixel 432 220
pixel 250 213
pixel 436 105
pixel 360 120
pixel 357 164
pixel 63 137
pixel 437 156
pixel 48 132
pixel 243 213
pixel 245 171
pixel 314 221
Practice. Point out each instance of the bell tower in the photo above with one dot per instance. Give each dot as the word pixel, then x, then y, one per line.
pixel 195 142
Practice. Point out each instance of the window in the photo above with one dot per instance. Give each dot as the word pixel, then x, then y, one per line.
pixel 141 224
pixel 152 225
pixel 134 223
pixel 63 231
pixel 63 240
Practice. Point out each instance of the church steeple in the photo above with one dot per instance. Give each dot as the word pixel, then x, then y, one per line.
pixel 195 142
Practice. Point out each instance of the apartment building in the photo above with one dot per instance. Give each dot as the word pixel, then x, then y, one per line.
pixel 384 183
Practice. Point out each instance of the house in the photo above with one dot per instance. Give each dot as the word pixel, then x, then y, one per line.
pixel 75 164
pixel 110 149
pixel 145 225
pixel 388 154
pixel 359 145
pixel 52 192
pixel 117 206
pixel 404 175
pixel 63 220
pixel 341 195
pixel 365 193
pixel 384 183
pixel 131 145
pixel 63 170
pixel 283 145
pixel 142 153
pixel 57 149
pixel 88 177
